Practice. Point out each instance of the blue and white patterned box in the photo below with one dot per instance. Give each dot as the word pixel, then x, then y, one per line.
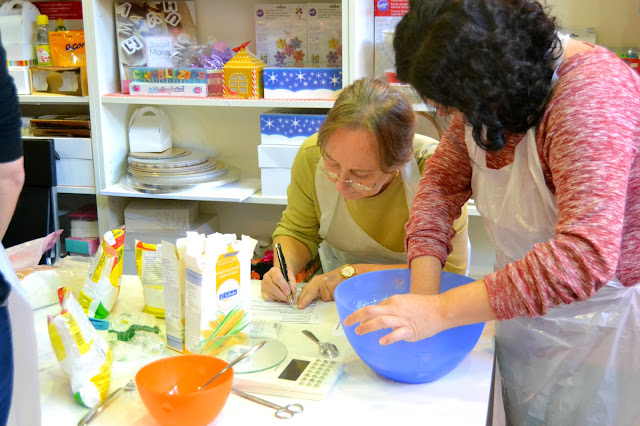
pixel 302 83
pixel 289 126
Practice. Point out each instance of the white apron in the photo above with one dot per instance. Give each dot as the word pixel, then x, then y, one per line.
pixel 25 404
pixel 580 363
pixel 343 240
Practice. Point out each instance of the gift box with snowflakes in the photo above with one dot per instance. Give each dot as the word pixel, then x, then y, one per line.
pixel 302 83
pixel 283 126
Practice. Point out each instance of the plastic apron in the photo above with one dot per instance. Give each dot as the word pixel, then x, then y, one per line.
pixel 580 363
pixel 25 404
pixel 343 240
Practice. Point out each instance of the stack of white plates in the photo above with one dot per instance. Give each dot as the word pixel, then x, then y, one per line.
pixel 175 169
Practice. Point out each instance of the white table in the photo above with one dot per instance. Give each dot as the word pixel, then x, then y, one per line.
pixel 460 398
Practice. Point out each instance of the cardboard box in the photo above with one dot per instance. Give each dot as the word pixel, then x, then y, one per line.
pixel 149 130
pixel 276 155
pixel 275 181
pixel 59 80
pixel 160 215
pixel 387 14
pixel 22 79
pixel 79 245
pixel 289 127
pixel 202 224
pixel 168 89
pixel 18 24
pixel 302 83
pixel 20 52
pixel 74 166
pixel 169 75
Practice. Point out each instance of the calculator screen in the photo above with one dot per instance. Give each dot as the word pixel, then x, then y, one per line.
pixel 293 370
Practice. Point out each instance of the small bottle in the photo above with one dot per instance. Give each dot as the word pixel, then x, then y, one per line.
pixel 43 49
pixel 60 25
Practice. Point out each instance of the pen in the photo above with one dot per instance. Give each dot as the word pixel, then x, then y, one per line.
pixel 285 271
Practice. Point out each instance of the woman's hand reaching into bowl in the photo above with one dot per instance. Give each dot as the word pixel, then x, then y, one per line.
pixel 412 317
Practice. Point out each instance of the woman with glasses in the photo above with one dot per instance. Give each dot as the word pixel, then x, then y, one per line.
pixel 351 189
pixel 546 137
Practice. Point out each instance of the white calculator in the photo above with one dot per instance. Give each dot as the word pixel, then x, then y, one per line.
pixel 297 376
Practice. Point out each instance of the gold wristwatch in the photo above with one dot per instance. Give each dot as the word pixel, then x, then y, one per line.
pixel 347 271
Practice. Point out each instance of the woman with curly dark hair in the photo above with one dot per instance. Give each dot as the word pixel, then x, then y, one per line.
pixel 546 139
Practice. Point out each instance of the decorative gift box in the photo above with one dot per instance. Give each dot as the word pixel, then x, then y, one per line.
pixel 169 75
pixel 168 89
pixel 283 126
pixel 302 83
pixel 149 130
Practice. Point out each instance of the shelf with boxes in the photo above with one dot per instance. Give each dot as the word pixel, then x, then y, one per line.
pixel 119 98
pixel 225 128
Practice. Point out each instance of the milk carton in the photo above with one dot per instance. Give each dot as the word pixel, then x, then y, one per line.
pixel 217 290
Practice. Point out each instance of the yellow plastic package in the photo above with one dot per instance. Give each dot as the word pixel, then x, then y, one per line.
pixel 100 289
pixel 149 265
pixel 83 355
pixel 67 48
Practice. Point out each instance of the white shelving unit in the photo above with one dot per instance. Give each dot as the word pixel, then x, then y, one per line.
pixel 224 128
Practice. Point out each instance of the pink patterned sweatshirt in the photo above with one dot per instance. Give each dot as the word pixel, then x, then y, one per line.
pixel 589 146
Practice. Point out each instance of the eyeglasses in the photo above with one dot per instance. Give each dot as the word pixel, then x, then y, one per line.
pixel 349 182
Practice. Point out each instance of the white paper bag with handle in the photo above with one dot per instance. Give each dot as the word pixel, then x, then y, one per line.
pixel 149 130
pixel 18 22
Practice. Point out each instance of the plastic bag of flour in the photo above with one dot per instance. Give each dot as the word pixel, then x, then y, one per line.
pixel 101 287
pixel 218 288
pixel 149 265
pixel 83 355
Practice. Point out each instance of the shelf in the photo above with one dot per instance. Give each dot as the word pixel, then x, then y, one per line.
pixel 119 98
pixel 237 192
pixel 53 99
pixel 66 189
pixel 258 198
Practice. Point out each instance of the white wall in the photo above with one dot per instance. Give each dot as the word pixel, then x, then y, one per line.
pixel 616 21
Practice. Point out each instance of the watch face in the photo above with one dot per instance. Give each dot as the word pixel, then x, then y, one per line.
pixel 348 271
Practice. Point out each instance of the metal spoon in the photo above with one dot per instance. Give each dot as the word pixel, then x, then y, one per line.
pixel 235 361
pixel 93 413
pixel 327 349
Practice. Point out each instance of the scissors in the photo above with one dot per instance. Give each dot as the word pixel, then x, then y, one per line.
pixel 285 412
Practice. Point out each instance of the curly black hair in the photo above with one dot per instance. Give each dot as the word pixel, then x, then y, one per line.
pixel 489 59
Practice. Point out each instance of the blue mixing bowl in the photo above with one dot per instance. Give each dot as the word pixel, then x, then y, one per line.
pixel 408 362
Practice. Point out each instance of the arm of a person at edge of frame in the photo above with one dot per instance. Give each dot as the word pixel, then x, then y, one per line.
pixel 273 285
pixel 324 286
pixel 11 182
pixel 417 316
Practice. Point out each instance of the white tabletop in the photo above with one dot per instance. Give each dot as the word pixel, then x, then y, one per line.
pixel 460 398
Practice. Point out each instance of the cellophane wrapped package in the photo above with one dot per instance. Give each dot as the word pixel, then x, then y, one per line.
pixel 281 34
pixel 83 355
pixel 102 286
pixel 149 265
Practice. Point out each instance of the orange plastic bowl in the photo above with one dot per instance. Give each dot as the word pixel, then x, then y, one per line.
pixel 169 389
